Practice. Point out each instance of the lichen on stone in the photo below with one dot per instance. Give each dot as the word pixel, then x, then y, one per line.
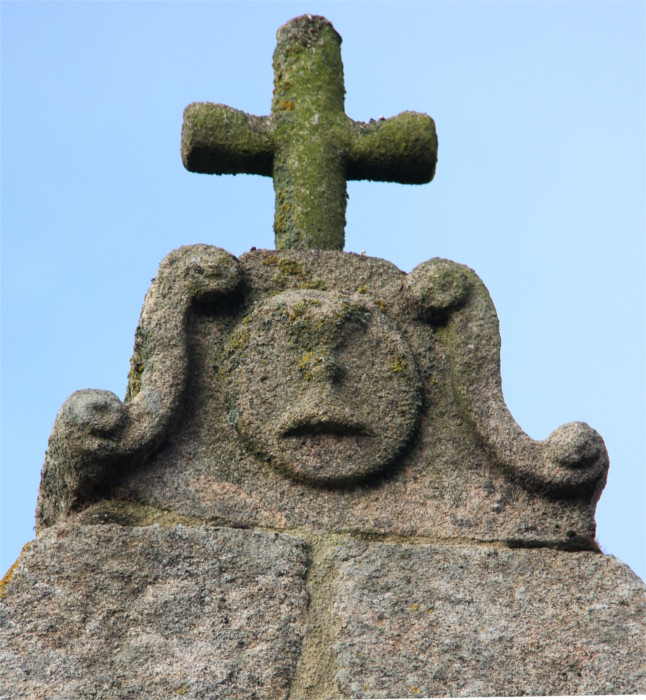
pixel 308 144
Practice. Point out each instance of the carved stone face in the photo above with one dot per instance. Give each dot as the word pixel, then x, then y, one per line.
pixel 323 386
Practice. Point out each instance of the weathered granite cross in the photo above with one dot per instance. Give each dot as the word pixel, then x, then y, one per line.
pixel 308 144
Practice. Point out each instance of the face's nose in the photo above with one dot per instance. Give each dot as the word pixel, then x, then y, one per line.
pixel 321 365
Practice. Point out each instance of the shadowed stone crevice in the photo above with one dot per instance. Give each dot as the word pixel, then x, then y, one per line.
pixel 133 514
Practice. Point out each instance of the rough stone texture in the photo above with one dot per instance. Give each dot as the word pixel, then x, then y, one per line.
pixel 428 621
pixel 113 611
pixel 308 145
pixel 154 612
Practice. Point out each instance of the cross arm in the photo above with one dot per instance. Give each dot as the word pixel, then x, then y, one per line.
pixel 400 149
pixel 219 140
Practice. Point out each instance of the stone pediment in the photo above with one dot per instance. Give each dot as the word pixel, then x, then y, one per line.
pixel 321 390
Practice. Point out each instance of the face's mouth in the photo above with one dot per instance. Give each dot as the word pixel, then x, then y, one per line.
pixel 337 427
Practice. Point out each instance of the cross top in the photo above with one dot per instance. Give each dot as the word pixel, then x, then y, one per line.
pixel 308 144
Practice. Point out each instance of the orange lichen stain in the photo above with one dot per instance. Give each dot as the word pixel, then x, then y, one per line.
pixel 270 260
pixel 8 576
pixel 286 106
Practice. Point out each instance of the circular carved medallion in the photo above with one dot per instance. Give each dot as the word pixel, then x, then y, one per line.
pixel 323 386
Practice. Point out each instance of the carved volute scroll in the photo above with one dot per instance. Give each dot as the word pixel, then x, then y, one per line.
pixel 573 459
pixel 96 435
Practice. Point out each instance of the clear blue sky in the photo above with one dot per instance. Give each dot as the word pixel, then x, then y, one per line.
pixel 540 188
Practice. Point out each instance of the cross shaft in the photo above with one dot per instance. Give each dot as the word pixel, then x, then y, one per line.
pixel 308 144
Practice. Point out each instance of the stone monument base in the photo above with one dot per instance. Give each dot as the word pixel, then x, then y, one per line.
pixel 184 610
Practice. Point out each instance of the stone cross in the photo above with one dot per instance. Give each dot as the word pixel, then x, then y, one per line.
pixel 308 144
